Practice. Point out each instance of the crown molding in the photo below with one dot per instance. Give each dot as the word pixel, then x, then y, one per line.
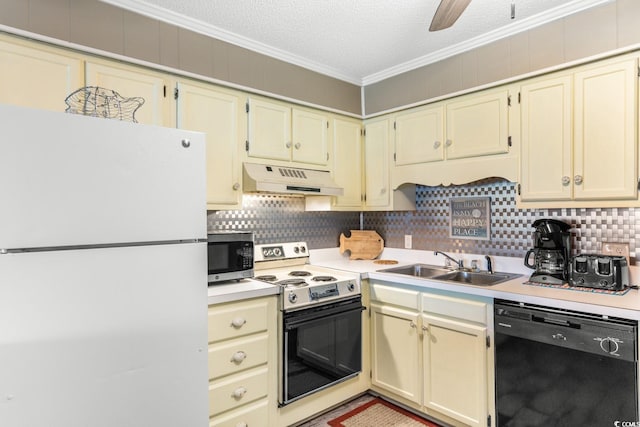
pixel 195 25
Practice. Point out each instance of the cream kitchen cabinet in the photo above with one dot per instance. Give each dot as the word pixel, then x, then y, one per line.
pixel 242 363
pixel 137 82
pixel 36 75
pixel 347 162
pixel 220 114
pixel 378 193
pixel 282 133
pixel 430 350
pixel 579 136
pixel 455 141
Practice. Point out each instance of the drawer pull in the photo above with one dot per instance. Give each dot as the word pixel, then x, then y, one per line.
pixel 239 393
pixel 238 322
pixel 238 357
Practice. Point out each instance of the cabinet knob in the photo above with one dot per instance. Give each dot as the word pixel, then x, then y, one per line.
pixel 239 393
pixel 448 143
pixel 236 186
pixel 566 180
pixel 383 190
pixel 298 145
pixel 436 144
pixel 577 179
pixel 412 324
pixel 242 424
pixel 238 322
pixel 238 356
pixel 288 144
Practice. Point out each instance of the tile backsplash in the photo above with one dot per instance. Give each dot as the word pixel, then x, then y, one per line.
pixel 276 218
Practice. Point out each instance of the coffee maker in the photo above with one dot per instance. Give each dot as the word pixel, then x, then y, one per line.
pixel 551 252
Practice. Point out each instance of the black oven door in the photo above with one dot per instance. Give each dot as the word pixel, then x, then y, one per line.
pixel 322 346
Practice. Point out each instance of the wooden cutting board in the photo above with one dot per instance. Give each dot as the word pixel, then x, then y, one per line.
pixel 363 244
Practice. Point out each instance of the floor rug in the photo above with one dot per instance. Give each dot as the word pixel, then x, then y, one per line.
pixel 378 412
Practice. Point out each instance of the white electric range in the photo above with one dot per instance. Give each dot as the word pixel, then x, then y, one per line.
pixel 302 285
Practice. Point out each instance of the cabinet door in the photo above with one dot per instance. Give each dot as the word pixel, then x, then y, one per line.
pixel 137 82
pixel 477 125
pixel 419 136
pixel 395 351
pixel 455 369
pixel 605 156
pixel 220 115
pixel 376 160
pixel 269 130
pixel 347 162
pixel 546 123
pixel 310 144
pixel 38 77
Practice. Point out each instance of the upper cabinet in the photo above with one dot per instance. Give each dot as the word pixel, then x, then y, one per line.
pixel 455 141
pixel 133 83
pixel 219 113
pixel 579 136
pixel 38 76
pixel 282 133
pixel 347 162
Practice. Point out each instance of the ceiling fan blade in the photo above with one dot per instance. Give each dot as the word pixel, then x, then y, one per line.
pixel 448 12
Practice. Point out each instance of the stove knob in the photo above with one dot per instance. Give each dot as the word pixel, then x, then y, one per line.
pixel 293 298
pixel 296 249
pixel 351 287
pixel 609 345
pixel 303 249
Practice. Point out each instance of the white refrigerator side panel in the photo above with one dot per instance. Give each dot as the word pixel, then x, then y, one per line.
pixel 74 180
pixel 113 337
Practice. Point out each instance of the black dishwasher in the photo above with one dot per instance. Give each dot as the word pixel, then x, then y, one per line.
pixel 564 368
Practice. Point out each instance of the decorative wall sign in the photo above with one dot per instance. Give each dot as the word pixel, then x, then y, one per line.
pixel 470 218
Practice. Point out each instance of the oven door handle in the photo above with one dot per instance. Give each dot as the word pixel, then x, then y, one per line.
pixel 292 323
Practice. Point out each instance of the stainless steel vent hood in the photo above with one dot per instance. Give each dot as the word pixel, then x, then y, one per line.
pixel 288 180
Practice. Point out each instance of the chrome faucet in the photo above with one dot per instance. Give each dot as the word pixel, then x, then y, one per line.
pixel 459 263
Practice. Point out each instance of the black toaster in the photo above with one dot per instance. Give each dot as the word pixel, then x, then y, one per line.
pixel 609 272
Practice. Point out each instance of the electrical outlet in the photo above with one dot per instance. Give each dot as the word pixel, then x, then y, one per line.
pixel 618 249
pixel 407 241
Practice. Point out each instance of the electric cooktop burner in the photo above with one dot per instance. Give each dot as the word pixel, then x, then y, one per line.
pixel 292 282
pixel 266 278
pixel 299 273
pixel 324 279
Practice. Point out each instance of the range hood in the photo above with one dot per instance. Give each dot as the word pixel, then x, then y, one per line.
pixel 288 180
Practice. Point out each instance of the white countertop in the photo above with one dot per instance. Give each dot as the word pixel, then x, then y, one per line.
pixel 239 290
pixel 626 306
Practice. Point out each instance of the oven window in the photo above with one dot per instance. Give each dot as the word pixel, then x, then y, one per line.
pixel 321 351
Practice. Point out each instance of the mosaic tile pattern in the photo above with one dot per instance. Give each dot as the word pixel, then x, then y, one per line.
pixel 511 231
pixel 275 218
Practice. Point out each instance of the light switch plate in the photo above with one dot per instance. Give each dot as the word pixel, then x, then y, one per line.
pixel 407 241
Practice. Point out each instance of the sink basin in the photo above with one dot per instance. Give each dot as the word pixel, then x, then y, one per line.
pixel 476 278
pixel 417 270
pixel 427 271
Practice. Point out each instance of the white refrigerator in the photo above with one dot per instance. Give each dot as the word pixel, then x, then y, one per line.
pixel 103 287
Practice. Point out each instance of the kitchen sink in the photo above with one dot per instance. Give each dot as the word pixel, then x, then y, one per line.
pixel 427 271
pixel 476 278
pixel 417 270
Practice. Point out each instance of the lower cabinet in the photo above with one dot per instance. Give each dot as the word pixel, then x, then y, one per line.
pixel 430 350
pixel 242 363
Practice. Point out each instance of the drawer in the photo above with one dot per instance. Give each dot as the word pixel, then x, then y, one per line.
pixel 474 310
pixel 254 415
pixel 239 319
pixel 238 355
pixel 237 390
pixel 396 296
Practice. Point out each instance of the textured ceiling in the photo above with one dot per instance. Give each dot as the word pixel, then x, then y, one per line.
pixel 360 41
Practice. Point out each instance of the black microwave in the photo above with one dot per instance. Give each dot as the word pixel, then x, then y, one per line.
pixel 229 256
